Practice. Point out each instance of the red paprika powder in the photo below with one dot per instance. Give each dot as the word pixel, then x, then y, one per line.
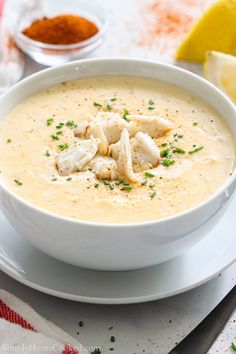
pixel 63 29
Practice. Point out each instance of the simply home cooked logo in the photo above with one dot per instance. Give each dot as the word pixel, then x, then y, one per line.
pixel 54 348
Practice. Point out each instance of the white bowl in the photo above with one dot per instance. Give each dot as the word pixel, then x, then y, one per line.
pixel 110 246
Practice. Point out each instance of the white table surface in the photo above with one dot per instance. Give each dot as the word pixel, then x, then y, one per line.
pixel 151 328
pixel 140 328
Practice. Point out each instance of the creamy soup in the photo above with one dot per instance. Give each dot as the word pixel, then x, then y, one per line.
pixel 115 150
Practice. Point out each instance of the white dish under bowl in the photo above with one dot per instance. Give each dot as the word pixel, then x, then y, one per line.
pixel 24 263
pixel 109 246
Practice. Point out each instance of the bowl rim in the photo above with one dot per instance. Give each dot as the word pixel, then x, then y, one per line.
pixel 179 215
pixel 102 29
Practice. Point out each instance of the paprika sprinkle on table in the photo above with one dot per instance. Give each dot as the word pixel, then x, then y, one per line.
pixel 62 29
pixel 166 22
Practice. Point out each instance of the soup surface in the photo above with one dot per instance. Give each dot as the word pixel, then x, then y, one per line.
pixel 196 152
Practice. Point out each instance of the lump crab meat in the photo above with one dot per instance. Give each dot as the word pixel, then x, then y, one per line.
pixel 110 123
pixel 104 167
pixel 124 163
pixel 114 150
pixel 82 130
pixel 113 136
pixel 89 129
pixel 154 126
pixel 97 132
pixel 145 152
pixel 75 158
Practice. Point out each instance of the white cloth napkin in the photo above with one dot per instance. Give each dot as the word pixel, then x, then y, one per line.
pixel 24 331
pixel 12 60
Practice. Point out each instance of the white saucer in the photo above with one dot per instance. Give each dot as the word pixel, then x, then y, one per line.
pixel 207 259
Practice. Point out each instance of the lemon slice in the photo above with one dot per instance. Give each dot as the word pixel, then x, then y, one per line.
pixel 220 69
pixel 216 30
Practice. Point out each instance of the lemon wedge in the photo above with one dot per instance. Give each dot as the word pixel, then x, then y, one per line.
pixel 215 30
pixel 220 69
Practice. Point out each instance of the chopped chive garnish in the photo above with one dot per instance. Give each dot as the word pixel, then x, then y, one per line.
pixel 19 183
pixel 164 144
pixel 117 183
pixel 196 149
pixel 54 179
pixel 54 137
pixel 125 183
pixel 59 132
pixel 69 179
pixel 151 104
pixel 63 147
pixel 96 185
pixel 152 186
pixel 109 106
pixel 178 150
pixel 148 174
pixel 71 124
pixel 168 162
pixel 153 195
pixel 110 103
pixel 233 346
pixel 50 121
pixel 144 182
pixel 165 153
pixel 111 186
pixel 126 113
pixel 127 188
pixel 176 135
pixel 60 125
pixel 195 123
pixel 8 141
pixel 106 182
pixel 47 153
pixel 97 104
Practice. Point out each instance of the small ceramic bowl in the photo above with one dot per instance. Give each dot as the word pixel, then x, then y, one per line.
pixel 117 246
pixel 53 54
